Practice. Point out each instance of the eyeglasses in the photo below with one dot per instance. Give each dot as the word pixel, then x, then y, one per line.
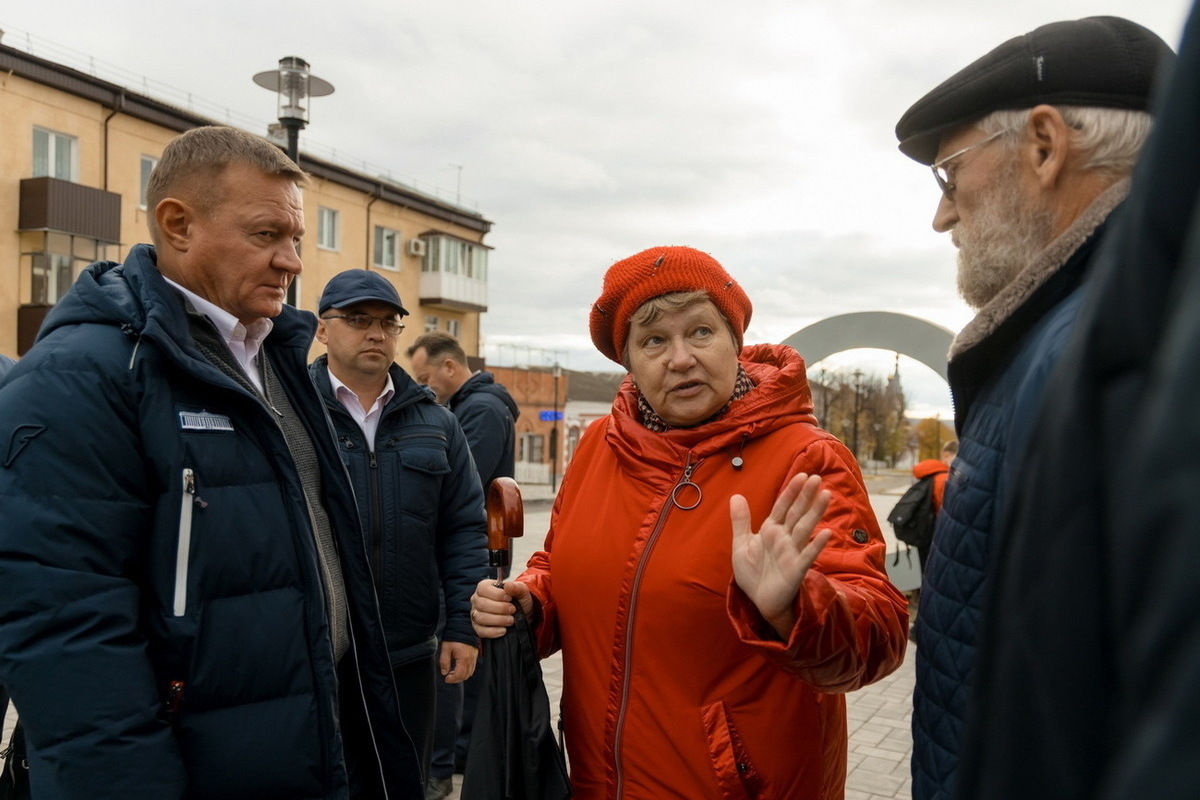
pixel 363 322
pixel 945 180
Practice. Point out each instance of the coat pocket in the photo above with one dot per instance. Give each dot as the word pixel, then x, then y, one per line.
pixel 734 770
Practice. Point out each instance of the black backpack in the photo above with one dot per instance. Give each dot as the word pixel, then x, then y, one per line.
pixel 912 517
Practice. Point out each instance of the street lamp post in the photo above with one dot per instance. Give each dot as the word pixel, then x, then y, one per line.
pixel 554 438
pixel 294 84
pixel 823 418
pixel 857 385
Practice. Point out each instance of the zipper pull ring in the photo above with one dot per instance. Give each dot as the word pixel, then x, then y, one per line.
pixel 685 482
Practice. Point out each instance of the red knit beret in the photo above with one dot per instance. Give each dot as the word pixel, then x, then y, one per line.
pixel 662 270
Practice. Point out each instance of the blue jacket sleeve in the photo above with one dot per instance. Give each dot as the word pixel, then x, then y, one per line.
pixel 462 537
pixel 76 518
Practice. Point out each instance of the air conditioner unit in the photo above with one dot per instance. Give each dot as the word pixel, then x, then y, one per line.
pixel 416 247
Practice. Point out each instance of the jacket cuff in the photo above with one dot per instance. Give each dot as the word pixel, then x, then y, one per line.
pixel 816 592
pixel 543 621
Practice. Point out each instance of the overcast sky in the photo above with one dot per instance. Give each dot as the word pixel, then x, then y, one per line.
pixel 760 132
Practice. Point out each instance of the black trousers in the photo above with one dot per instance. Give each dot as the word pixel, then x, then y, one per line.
pixel 416 686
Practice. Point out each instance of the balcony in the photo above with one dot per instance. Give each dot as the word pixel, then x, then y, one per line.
pixel 51 204
pixel 29 322
pixel 453 273
pixel 453 292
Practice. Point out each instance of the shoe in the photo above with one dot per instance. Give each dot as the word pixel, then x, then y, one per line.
pixel 438 788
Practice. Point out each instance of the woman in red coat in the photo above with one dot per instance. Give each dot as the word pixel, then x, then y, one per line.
pixel 703 659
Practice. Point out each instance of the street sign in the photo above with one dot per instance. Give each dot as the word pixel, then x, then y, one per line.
pixel 550 416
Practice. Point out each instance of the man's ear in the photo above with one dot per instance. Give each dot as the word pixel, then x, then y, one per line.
pixel 174 218
pixel 1047 145
pixel 322 333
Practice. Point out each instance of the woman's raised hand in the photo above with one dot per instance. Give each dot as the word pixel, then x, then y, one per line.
pixel 769 566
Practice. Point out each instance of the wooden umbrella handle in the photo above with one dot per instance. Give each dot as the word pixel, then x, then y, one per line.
pixel 505 522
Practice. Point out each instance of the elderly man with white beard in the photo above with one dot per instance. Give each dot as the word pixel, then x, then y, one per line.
pixel 1031 146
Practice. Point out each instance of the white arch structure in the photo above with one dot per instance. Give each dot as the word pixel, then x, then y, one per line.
pixel 885 330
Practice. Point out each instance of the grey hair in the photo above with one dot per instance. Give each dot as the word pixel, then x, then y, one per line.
pixel 1109 139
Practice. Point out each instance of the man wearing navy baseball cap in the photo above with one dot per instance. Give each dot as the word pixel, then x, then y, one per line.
pixel 419 496
pixel 1031 147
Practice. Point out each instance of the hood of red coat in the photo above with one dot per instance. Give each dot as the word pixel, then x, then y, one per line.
pixel 781 396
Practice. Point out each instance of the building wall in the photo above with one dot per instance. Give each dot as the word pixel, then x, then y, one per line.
pixel 536 390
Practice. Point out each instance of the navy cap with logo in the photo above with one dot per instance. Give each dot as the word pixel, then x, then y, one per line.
pixel 1105 62
pixel 359 286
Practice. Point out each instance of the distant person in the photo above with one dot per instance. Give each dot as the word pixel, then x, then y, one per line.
pixel 939 470
pixel 186 607
pixel 483 407
pixel 1031 147
pixel 701 659
pixel 419 496
pixel 1088 678
pixel 487 414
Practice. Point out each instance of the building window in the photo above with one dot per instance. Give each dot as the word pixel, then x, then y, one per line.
pixel 532 448
pixel 54 262
pixel 455 257
pixel 454 327
pixel 387 241
pixel 430 323
pixel 54 155
pixel 52 277
pixel 328 236
pixel 148 165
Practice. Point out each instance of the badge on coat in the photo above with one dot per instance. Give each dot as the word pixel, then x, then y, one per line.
pixel 204 421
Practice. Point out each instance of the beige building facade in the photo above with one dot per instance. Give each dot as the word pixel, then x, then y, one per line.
pixel 75 155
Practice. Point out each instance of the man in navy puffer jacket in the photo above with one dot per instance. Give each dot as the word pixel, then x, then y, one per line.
pixel 419 496
pixel 187 608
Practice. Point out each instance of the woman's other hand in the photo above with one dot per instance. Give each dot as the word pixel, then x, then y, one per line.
pixel 492 609
pixel 769 566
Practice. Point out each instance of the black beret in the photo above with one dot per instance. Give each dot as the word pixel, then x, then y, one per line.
pixel 1105 62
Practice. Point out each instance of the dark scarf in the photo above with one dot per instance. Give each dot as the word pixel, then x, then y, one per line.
pixel 741 388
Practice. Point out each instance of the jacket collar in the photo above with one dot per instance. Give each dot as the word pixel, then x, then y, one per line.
pixel 781 397
pixel 1044 267
pixel 407 391
pixel 135 297
pixel 484 383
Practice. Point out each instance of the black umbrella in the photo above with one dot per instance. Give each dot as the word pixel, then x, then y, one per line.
pixel 512 754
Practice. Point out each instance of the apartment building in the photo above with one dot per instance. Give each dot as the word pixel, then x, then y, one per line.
pixel 75 156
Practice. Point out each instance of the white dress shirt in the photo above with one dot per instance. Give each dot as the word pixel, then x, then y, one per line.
pixel 368 421
pixel 243 341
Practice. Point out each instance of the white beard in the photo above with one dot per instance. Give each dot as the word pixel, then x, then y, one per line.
pixel 1001 240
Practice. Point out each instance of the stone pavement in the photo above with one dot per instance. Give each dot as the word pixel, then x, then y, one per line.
pixel 879 721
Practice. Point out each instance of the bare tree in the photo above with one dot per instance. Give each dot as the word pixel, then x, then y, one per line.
pixel 865 411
